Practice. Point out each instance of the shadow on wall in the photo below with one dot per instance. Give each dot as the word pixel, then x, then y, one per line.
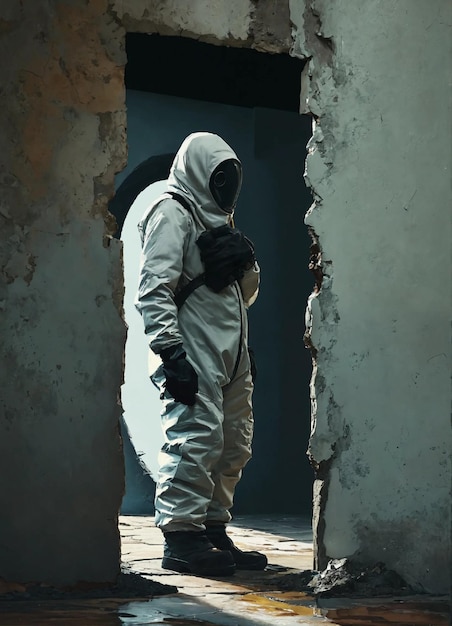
pixel 149 171
pixel 140 487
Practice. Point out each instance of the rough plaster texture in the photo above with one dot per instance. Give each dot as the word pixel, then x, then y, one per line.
pixel 378 84
pixel 379 170
pixel 263 24
pixel 62 139
pixel 200 19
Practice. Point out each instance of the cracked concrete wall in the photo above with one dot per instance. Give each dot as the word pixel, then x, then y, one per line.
pixel 261 24
pixel 378 85
pixel 62 135
pixel 377 82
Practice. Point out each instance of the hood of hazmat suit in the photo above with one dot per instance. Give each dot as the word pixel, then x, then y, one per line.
pixel 195 166
pixel 212 327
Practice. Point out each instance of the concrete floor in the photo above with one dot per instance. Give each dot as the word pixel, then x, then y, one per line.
pixel 255 598
pixel 236 600
pixel 245 599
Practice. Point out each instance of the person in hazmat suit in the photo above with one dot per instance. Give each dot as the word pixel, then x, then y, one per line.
pixel 198 276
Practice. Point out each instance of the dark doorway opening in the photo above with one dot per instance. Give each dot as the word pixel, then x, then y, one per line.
pixel 263 89
pixel 177 66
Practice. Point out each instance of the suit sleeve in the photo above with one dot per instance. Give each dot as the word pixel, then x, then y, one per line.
pixel 163 234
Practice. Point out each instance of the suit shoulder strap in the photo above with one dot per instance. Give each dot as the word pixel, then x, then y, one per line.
pixel 189 288
pixel 180 198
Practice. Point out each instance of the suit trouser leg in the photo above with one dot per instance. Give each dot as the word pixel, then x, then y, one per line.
pixel 238 428
pixel 193 445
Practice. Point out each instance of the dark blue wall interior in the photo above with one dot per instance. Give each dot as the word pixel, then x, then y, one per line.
pixel 271 145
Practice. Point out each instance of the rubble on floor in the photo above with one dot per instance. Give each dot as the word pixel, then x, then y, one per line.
pixel 343 577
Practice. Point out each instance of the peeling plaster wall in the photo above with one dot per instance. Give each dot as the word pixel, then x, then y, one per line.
pixel 379 168
pixel 261 24
pixel 200 19
pixel 62 139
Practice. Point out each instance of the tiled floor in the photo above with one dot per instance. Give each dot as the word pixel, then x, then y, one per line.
pixel 255 598
pixel 287 542
pixel 245 599
pixel 236 600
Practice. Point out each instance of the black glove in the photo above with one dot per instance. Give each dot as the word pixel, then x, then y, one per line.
pixel 226 254
pixel 181 378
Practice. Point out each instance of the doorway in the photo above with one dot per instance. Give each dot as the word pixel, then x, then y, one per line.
pixel 176 86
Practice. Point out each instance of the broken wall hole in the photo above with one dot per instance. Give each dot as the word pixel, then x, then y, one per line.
pixel 386 361
pixel 231 92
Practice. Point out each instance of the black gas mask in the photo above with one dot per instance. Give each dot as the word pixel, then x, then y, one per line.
pixel 225 183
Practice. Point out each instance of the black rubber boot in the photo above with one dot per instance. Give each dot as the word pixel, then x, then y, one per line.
pixel 243 560
pixel 193 553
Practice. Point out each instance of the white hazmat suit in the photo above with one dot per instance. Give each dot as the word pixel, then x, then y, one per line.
pixel 206 445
